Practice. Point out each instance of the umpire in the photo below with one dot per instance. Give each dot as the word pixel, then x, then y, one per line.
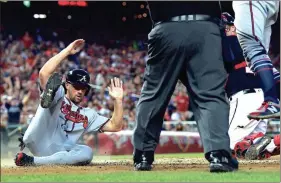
pixel 184 44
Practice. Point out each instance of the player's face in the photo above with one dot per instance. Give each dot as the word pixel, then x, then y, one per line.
pixel 76 92
pixel 230 30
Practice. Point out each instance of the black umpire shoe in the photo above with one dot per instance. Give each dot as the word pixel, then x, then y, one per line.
pixel 52 87
pixel 143 160
pixel 221 161
pixel 143 165
pixel 254 151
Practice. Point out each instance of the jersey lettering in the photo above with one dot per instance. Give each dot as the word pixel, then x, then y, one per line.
pixel 73 116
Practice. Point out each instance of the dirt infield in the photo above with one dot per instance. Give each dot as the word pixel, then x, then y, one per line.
pixel 165 164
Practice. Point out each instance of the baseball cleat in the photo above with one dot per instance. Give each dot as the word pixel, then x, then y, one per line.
pixel 255 150
pixel 222 162
pixel 24 160
pixel 266 154
pixel 52 87
pixel 266 111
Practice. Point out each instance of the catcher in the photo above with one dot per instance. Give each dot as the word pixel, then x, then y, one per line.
pixel 59 120
pixel 243 87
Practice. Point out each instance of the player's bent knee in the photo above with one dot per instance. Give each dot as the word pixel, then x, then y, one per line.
pixel 241 147
pixel 86 156
pixel 251 47
pixel 89 154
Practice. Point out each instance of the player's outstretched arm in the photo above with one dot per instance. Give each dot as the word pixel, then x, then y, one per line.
pixel 52 64
pixel 116 121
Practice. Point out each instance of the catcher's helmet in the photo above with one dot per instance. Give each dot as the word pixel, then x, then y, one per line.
pixel 79 76
pixel 227 18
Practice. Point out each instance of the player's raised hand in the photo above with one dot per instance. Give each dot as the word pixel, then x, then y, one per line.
pixel 116 89
pixel 75 46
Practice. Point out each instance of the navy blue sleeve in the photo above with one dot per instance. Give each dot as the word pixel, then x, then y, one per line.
pixel 232 52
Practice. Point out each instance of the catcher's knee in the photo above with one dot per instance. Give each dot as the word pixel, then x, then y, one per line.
pixel 89 155
pixel 241 147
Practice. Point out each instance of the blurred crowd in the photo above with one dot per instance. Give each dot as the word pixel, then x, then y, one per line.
pixel 21 60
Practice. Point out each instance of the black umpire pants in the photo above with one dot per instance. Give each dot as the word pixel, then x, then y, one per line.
pixel 192 52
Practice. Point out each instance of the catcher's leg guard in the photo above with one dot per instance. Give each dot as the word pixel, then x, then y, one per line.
pixel 256 149
pixel 241 147
pixel 267 153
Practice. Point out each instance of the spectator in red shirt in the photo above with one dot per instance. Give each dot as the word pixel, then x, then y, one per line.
pixel 182 102
pixel 27 40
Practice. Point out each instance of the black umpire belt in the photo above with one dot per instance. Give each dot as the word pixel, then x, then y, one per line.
pixel 186 18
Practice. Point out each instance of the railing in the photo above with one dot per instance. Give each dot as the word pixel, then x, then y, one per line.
pixel 188 127
pixel 14 128
pixel 98 146
pixel 193 125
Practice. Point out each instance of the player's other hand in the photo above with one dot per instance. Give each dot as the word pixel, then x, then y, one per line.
pixel 116 89
pixel 75 46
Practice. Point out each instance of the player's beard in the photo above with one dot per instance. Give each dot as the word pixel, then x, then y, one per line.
pixel 76 99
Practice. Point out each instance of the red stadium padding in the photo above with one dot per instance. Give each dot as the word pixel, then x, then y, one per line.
pixel 170 142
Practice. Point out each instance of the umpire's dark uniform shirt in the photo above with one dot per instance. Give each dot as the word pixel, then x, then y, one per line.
pixel 184 44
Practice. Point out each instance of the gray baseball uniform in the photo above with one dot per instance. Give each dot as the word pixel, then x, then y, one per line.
pixel 53 133
pixel 253 20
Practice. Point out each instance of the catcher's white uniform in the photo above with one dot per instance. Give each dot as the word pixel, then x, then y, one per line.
pixel 239 124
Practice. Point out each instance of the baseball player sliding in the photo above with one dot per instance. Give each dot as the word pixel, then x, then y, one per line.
pixel 253 20
pixel 247 137
pixel 59 120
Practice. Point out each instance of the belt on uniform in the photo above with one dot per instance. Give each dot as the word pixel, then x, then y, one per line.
pixel 245 91
pixel 186 18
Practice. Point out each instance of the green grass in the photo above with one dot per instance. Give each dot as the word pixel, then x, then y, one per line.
pixel 180 175
pixel 157 156
pixel 164 176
